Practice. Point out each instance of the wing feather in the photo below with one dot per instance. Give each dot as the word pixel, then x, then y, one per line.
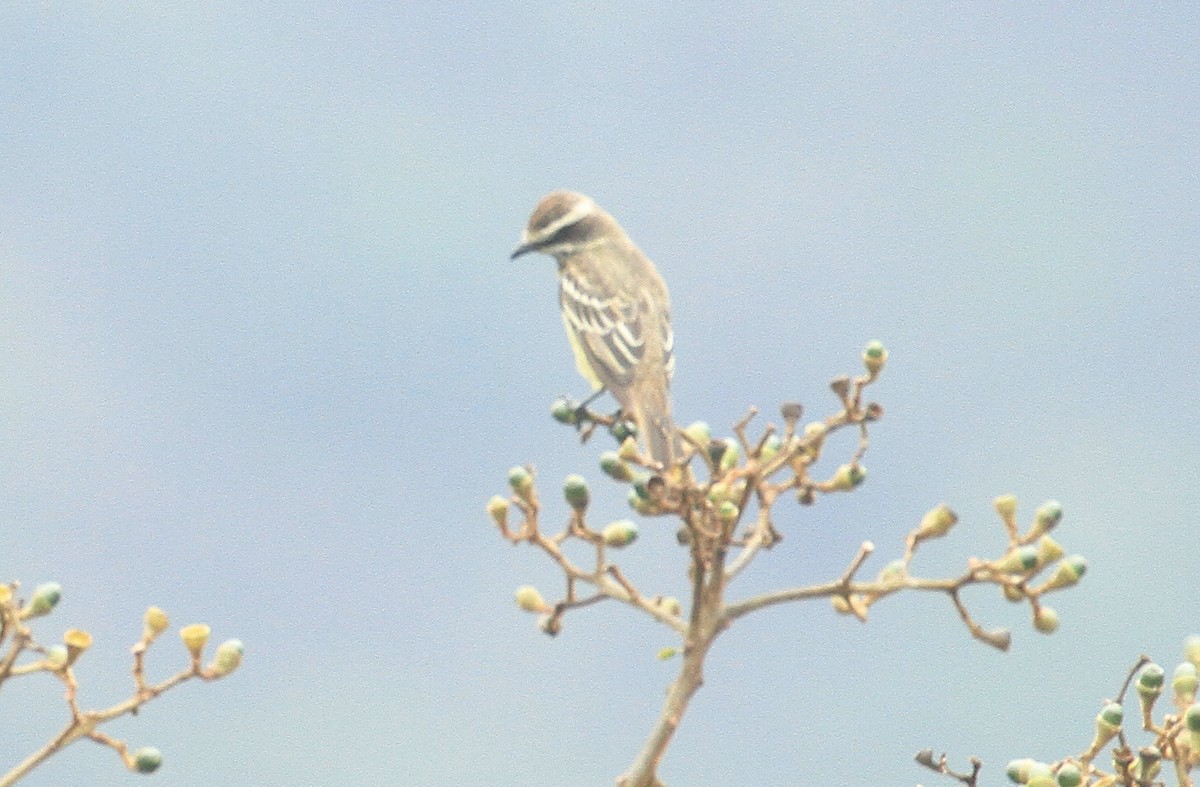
pixel 608 328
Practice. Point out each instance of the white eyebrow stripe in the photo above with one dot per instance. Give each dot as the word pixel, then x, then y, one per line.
pixel 583 208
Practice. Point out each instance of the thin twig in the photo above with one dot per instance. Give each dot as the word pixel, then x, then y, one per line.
pixel 84 723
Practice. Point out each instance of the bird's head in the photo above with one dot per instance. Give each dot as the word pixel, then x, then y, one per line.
pixel 563 223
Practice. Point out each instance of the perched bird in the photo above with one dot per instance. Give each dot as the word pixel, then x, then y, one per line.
pixel 615 309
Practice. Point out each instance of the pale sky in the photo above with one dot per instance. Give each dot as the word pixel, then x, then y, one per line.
pixel 265 359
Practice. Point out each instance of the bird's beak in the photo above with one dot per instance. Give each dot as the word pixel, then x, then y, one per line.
pixel 524 248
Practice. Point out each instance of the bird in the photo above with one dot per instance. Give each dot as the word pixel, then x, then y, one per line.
pixel 615 309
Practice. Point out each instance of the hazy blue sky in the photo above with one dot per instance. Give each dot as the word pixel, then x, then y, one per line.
pixel 264 358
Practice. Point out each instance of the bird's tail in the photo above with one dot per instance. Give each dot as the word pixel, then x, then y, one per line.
pixel 652 413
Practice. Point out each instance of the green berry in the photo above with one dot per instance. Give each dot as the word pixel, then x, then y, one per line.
pixel 45 598
pixel 1048 514
pixel 228 657
pixel 575 490
pixel 1018 770
pixel 1069 776
pixel 1111 716
pixel 621 533
pixel 1045 620
pixel 699 433
pixel 770 448
pixel 565 411
pixel 615 467
pixel 874 357
pixel 521 480
pixel 147 759
pixel 622 430
pixel 1150 679
pixel 529 599
pixel 1192 717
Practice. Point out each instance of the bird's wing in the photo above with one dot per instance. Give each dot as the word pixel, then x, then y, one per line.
pixel 607 327
pixel 668 345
